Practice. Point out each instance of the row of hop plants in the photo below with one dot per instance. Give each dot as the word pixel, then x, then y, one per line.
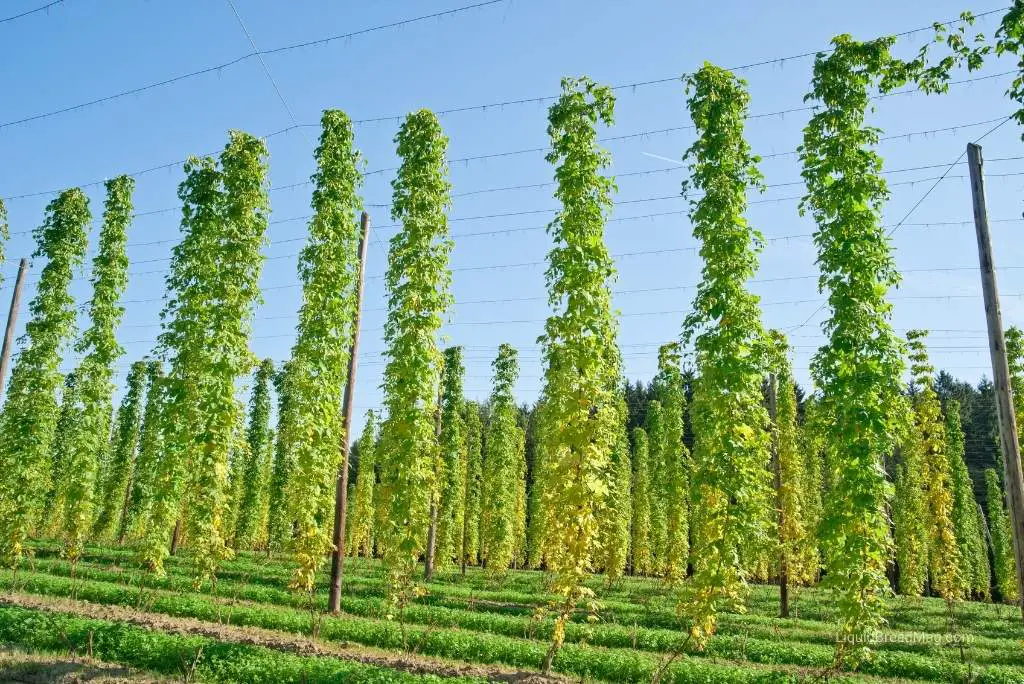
pixel 441 483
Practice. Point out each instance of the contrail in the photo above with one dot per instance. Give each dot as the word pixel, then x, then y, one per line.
pixel 658 156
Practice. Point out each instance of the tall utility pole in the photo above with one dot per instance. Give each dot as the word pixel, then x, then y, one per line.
pixel 341 494
pixel 1000 365
pixel 12 319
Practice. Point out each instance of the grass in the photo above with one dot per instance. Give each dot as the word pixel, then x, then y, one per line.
pixel 193 658
pixel 476 619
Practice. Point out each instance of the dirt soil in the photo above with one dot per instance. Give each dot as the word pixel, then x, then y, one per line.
pixel 281 641
pixel 21 667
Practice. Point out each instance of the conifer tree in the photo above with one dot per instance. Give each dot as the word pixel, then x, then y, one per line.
pixel 967 522
pixel 30 414
pixel 1004 564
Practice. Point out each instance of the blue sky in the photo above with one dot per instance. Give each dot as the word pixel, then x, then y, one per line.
pixel 516 50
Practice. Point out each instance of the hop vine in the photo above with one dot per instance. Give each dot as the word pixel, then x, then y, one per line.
pixel 118 485
pixel 580 349
pixel 452 486
pixel 148 459
pixel 258 438
pixel 500 465
pixel 30 414
pixel 417 284
pixel 360 531
pixel 95 374
pixel 328 269
pixel 224 219
pixel 729 419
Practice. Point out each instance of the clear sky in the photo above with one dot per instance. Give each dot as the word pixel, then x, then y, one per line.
pixel 82 50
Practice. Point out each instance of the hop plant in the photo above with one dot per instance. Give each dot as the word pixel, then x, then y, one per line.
pixel 731 448
pixel 29 416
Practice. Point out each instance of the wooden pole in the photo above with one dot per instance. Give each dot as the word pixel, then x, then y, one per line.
pixel 1000 364
pixel 341 493
pixel 773 391
pixel 12 319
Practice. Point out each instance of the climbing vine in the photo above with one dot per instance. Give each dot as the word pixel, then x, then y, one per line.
pixel 795 540
pixel 855 370
pixel 452 486
pixel 360 519
pixel 417 284
pixel 117 486
pixel 536 513
pixel 30 409
pixel 258 438
pixel 212 289
pixel 674 463
pixel 473 461
pixel 500 465
pixel 618 510
pixel 944 560
pixel 149 455
pixel 729 419
pixel 328 267
pixel 60 456
pixel 910 533
pixel 655 426
pixel 95 373
pixel 519 510
pixel 580 348
pixel 279 520
pixel 234 278
pixel 811 447
pixel 641 523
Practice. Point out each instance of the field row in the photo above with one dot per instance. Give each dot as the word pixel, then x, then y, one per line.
pixel 467 621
